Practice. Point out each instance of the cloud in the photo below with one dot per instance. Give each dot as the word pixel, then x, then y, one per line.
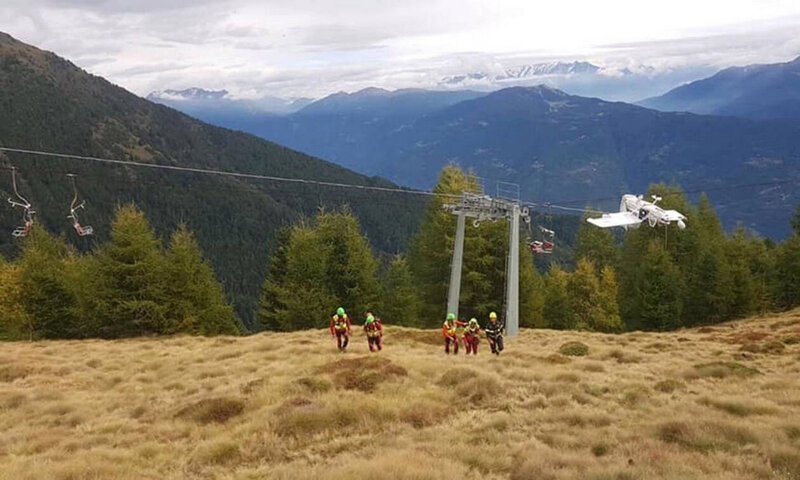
pixel 314 47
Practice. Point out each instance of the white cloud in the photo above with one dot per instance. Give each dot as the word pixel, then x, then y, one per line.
pixel 313 47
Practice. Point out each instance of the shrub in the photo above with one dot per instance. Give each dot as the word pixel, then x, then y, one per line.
pixel 574 349
pixel 216 410
pixel 600 449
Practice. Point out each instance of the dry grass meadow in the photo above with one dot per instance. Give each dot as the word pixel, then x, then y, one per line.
pixel 719 402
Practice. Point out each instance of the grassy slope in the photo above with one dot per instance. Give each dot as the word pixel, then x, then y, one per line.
pixel 278 406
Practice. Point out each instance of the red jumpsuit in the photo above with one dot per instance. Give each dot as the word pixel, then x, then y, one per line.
pixel 472 338
pixel 374 333
pixel 340 327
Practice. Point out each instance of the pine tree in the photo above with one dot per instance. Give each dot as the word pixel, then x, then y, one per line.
pixel 709 288
pixel 660 293
pixel 324 264
pixel 130 276
pixel 788 273
pixel 558 304
pixel 306 291
pixel 531 291
pixel 352 267
pixel 47 297
pixel 402 305
pixel 483 273
pixel 583 289
pixel 196 300
pixel 431 249
pixel 271 308
pixel 611 320
pixel 15 323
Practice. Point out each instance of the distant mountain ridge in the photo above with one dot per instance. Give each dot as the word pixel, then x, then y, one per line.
pixel 200 102
pixel 761 92
pixel 562 147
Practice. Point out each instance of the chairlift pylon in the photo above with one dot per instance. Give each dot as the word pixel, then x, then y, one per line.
pixel 27 210
pixel 74 206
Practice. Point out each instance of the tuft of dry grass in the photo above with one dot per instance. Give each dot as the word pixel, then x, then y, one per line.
pixel 721 370
pixel 363 373
pixel 289 406
pixel 209 410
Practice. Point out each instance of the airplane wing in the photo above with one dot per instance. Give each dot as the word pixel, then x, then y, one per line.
pixel 673 216
pixel 620 219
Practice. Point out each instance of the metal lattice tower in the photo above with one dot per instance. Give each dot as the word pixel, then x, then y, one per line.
pixel 483 208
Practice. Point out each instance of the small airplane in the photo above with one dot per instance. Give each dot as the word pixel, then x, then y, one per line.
pixel 633 211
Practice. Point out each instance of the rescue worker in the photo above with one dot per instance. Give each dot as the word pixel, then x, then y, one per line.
pixel 472 336
pixel 450 334
pixel 374 330
pixel 340 328
pixel 494 333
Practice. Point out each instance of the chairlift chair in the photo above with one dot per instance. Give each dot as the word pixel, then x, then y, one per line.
pixel 546 244
pixel 27 210
pixel 74 206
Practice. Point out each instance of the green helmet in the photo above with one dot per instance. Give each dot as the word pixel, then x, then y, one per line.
pixel 451 316
pixel 340 311
pixel 370 319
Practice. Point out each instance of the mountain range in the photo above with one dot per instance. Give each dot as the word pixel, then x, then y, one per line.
pixel 561 147
pixel 48 104
pixel 760 92
pixel 621 82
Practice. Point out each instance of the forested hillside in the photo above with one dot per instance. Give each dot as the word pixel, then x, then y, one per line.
pixel 46 103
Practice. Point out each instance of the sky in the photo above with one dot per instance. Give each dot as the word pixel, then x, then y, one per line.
pixel 296 48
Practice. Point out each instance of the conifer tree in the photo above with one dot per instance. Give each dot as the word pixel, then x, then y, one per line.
pixel 531 291
pixel 583 289
pixel 306 291
pixel 595 244
pixel 431 249
pixel 271 308
pixel 47 296
pixel 788 273
pixel 659 294
pixel 325 263
pixel 485 255
pixel 402 305
pixel 558 304
pixel 195 298
pixel 130 279
pixel 15 323
pixel 609 292
pixel 352 267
